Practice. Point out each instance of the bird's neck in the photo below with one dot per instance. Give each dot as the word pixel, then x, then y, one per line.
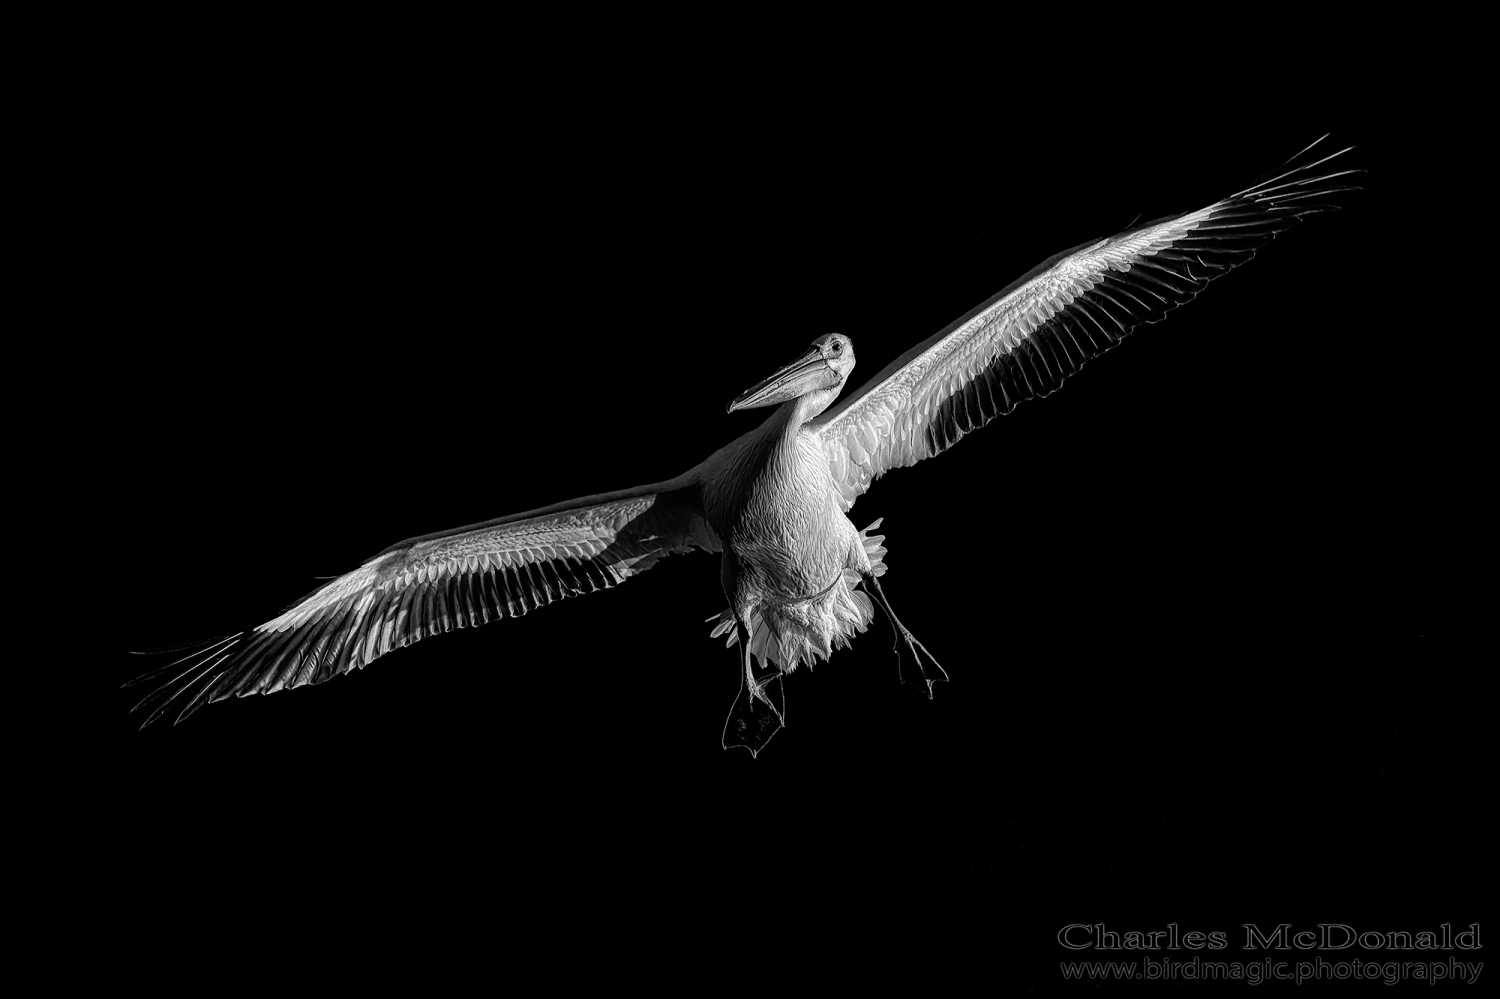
pixel 776 440
pixel 806 407
pixel 779 433
pixel 770 453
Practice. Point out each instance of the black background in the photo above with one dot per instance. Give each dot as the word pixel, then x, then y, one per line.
pixel 1201 673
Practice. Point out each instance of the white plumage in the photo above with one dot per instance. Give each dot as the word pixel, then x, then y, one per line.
pixel 774 502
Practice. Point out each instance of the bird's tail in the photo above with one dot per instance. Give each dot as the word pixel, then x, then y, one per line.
pixel 808 629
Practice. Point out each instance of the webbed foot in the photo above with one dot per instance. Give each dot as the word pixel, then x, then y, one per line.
pixel 919 677
pixel 757 715
pixel 915 671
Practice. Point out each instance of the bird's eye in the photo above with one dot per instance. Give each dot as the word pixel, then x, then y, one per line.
pixel 837 346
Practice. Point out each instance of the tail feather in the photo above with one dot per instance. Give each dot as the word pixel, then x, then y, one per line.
pixel 808 630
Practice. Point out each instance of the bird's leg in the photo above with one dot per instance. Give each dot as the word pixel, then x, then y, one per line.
pixel 750 724
pixel 918 650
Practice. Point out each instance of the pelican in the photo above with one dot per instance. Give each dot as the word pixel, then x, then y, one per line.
pixel 799 578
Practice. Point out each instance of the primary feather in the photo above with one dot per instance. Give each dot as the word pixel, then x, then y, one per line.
pixel 780 517
pixel 1026 339
pixel 435 583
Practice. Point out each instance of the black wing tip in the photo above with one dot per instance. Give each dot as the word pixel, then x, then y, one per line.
pixel 1302 163
pixel 192 648
pixel 199 643
pixel 202 658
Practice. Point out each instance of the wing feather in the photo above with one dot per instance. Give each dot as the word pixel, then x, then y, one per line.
pixel 1024 341
pixel 433 584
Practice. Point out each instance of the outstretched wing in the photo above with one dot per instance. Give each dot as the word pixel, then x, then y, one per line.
pixel 1025 340
pixel 432 584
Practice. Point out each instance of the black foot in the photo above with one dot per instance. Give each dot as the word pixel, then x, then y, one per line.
pixel 754 719
pixel 918 676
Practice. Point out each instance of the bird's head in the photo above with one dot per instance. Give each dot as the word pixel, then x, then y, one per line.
pixel 821 370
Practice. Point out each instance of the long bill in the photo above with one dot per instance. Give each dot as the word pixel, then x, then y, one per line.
pixel 807 373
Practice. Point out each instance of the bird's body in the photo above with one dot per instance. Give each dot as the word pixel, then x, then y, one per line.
pixel 791 555
pixel 799 578
pixel 771 501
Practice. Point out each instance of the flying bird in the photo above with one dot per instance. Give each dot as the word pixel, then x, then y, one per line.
pixel 799 579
